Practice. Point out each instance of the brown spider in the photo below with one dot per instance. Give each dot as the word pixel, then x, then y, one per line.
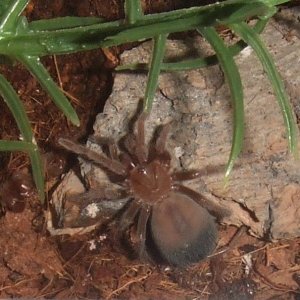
pixel 172 219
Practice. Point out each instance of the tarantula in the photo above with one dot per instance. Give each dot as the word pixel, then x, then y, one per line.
pixel 174 219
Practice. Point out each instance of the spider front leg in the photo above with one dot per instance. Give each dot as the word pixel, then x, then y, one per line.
pixel 99 195
pixel 193 174
pixel 93 206
pixel 160 145
pixel 123 157
pixel 99 159
pixel 187 175
pixel 140 146
pixel 112 146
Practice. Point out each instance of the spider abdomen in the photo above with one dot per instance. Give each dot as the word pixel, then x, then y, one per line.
pixel 183 231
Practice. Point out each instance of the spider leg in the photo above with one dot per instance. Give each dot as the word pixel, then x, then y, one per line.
pixel 142 230
pixel 112 147
pixel 99 159
pixel 192 174
pixel 93 206
pixel 135 143
pixel 187 175
pixel 113 151
pixel 140 147
pixel 215 209
pixel 160 145
pixel 130 145
pixel 98 195
pixel 127 161
pixel 129 215
pixel 233 241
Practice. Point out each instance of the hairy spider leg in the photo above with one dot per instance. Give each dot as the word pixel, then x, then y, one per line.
pixel 112 147
pixel 140 146
pixel 233 241
pixel 97 195
pixel 192 174
pixel 128 216
pixel 213 208
pixel 113 150
pixel 130 142
pixel 142 229
pixel 186 175
pixel 124 158
pixel 99 159
pixel 160 146
pixel 135 143
pixel 127 161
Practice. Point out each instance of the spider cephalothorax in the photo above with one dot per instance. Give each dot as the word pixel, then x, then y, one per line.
pixel 178 221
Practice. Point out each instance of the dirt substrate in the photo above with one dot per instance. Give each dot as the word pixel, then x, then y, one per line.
pixel 95 266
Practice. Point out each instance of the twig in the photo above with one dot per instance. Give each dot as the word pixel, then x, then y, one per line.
pixel 272 284
pixel 126 285
pixel 18 283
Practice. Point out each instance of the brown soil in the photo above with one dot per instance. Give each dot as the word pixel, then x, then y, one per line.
pixel 33 264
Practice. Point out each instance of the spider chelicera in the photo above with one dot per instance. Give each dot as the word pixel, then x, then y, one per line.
pixel 178 222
